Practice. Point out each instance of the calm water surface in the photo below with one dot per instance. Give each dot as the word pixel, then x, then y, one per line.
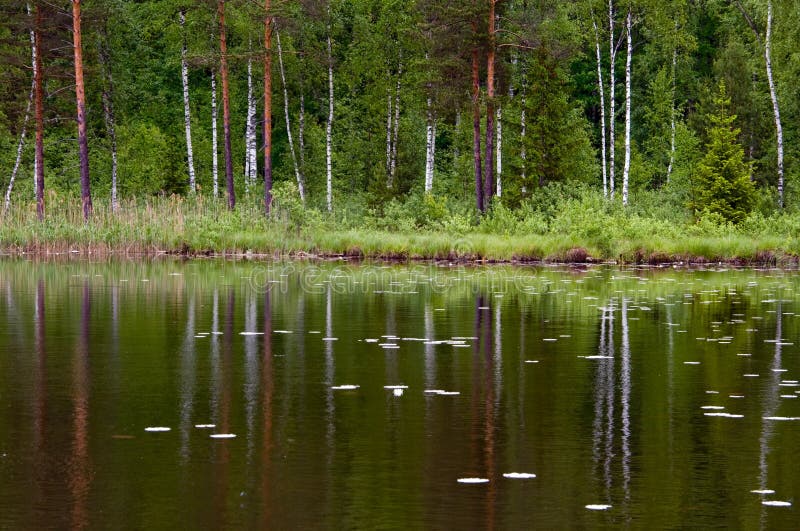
pixel 669 395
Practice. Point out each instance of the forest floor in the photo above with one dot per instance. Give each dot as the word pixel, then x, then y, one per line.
pixel 171 226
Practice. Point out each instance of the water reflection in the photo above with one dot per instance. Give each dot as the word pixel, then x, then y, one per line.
pixel 609 414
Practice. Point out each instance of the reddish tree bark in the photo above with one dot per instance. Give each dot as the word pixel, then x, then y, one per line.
pixel 267 107
pixel 226 107
pixel 80 97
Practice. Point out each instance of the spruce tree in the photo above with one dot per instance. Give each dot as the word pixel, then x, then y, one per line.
pixel 722 182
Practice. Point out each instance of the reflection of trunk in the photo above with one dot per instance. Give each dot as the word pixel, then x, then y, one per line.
pixel 38 98
pixel 40 411
pixel 772 400
pixel 601 90
pixel 226 106
pixel 267 107
pixel 79 468
pixel 301 187
pixel 187 117
pixel 627 166
pixel 267 386
pixel 625 398
pixel 187 378
pixel 80 98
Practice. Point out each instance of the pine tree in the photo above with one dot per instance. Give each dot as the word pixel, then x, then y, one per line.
pixel 722 182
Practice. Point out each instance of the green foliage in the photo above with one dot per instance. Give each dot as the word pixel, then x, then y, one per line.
pixel 722 182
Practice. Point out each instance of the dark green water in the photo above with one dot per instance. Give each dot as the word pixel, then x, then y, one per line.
pixel 593 379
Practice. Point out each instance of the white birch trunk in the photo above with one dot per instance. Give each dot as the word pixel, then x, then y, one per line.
pixel 301 130
pixel 388 134
pixel 214 156
pixel 396 131
pixel 523 154
pixel 34 58
pixel 601 90
pixel 430 146
pixel 498 155
pixel 248 126
pixel 627 166
pixel 774 97
pixel 672 115
pixel 611 96
pixel 20 146
pixel 187 117
pixel 300 181
pixel 329 127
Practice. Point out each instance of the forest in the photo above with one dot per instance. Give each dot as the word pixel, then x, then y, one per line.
pixel 631 129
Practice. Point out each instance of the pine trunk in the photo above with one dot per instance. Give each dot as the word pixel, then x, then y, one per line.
pixel 476 126
pixel 80 98
pixel 601 90
pixel 329 128
pixel 774 97
pixel 226 107
pixel 301 187
pixel 267 107
pixel 187 116
pixel 612 114
pixel 39 114
pixel 627 166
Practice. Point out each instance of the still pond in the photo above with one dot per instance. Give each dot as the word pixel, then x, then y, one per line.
pixel 291 395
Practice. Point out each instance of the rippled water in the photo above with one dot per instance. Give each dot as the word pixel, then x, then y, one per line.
pixel 213 394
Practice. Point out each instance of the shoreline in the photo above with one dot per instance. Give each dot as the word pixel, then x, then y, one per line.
pixel 577 255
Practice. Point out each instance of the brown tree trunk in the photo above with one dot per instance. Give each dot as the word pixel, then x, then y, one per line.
pixel 267 107
pixel 476 124
pixel 83 143
pixel 226 107
pixel 488 178
pixel 39 114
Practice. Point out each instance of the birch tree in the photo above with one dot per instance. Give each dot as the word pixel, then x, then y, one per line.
pixel 601 91
pixel 612 114
pixel 627 166
pixel 767 44
pixel 80 98
pixel 214 140
pixel 329 125
pixel 187 116
pixel 21 142
pixel 301 186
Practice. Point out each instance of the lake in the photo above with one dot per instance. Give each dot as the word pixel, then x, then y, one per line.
pixel 293 395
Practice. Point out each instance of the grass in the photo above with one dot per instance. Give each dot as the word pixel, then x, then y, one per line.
pixel 575 230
